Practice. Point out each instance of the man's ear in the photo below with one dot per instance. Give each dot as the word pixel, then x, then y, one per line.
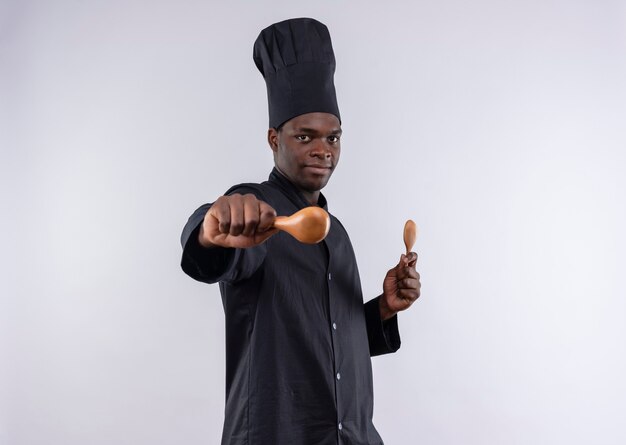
pixel 272 139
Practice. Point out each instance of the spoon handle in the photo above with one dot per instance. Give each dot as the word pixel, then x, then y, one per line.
pixel 281 221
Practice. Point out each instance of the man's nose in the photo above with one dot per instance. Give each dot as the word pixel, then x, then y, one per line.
pixel 321 149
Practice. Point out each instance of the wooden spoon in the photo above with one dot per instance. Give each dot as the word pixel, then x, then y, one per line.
pixel 410 234
pixel 309 225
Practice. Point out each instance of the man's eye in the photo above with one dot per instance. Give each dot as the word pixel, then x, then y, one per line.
pixel 303 138
pixel 333 139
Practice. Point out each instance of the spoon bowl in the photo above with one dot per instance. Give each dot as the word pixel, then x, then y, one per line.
pixel 309 225
pixel 410 235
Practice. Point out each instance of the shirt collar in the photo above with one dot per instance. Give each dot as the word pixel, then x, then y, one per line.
pixel 292 191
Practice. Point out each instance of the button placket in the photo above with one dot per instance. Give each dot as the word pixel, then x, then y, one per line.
pixel 336 360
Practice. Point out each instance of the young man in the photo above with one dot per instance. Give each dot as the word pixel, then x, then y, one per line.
pixel 298 336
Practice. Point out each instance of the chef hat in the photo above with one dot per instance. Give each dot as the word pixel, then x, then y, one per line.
pixel 297 62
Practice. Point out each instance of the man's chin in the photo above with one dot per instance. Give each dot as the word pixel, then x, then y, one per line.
pixel 316 185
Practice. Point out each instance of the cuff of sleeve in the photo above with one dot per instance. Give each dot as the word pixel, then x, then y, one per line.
pixel 383 336
pixel 208 265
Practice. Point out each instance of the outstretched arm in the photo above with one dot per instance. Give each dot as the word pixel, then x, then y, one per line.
pixel 215 234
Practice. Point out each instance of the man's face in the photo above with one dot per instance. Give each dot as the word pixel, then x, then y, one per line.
pixel 306 149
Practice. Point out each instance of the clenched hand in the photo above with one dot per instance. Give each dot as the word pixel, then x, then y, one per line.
pixel 237 221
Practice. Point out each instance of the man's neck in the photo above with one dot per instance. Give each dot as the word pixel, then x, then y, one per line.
pixel 311 197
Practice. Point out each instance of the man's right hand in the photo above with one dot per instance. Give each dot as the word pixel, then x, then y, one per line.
pixel 237 221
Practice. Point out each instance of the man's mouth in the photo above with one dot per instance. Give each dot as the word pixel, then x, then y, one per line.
pixel 319 169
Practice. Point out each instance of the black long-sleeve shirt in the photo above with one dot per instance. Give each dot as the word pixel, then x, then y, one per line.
pixel 298 336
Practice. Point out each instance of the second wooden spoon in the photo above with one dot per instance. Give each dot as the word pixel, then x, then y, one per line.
pixel 410 235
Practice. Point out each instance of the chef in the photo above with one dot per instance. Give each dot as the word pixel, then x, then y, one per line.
pixel 299 336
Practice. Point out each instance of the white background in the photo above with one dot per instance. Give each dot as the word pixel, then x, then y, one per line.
pixel 498 126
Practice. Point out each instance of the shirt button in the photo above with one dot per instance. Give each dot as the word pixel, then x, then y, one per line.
pixel 330 277
pixel 340 426
pixel 335 326
pixel 338 376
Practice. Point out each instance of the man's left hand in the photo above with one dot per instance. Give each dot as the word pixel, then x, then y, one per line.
pixel 401 287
